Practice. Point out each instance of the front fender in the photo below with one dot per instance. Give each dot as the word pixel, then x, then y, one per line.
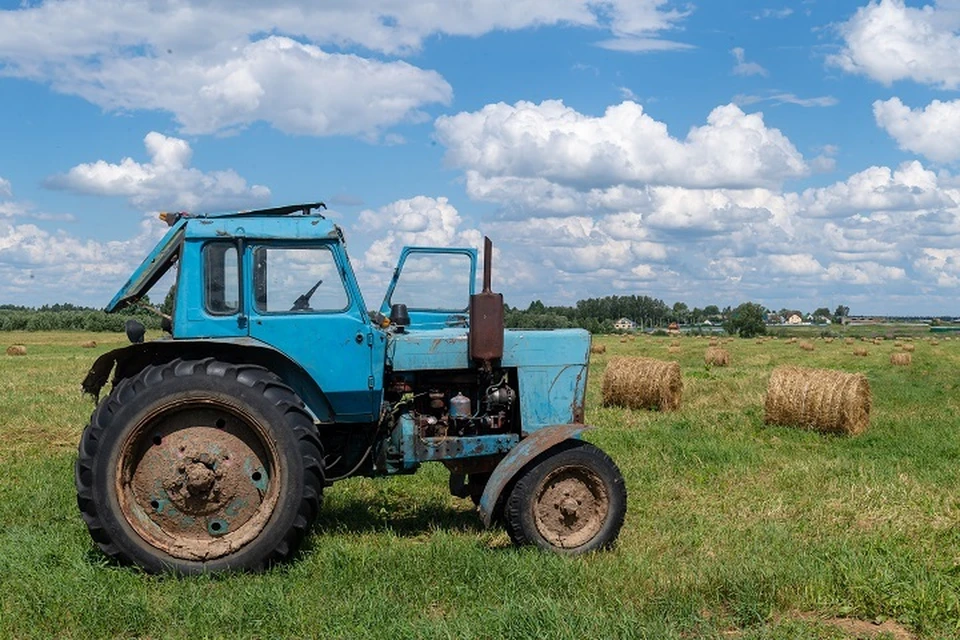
pixel 513 463
pixel 127 361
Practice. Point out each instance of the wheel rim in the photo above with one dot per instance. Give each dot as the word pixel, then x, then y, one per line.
pixel 197 478
pixel 571 506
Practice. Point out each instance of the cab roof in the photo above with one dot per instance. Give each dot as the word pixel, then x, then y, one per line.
pixel 292 222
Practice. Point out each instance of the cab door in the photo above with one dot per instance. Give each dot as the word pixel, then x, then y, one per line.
pixel 303 303
pixel 435 285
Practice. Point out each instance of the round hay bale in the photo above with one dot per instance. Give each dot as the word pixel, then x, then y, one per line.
pixel 806 345
pixel 848 341
pixel 717 356
pixel 623 340
pixel 673 349
pixel 761 341
pixel 92 344
pixel 713 342
pixel 674 343
pixel 901 358
pixel 792 341
pixel 860 351
pixel 642 383
pixel 16 350
pixel 828 340
pixel 594 348
pixel 934 343
pixel 819 399
pixel 908 347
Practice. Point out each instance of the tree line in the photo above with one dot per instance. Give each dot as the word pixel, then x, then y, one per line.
pixel 68 317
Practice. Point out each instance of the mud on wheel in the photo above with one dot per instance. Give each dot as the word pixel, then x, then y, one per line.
pixel 196 466
pixel 572 501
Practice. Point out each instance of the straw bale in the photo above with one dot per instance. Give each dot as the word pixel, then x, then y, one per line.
pixel 828 340
pixel 16 350
pixel 642 383
pixel 848 341
pixel 598 348
pixel 713 342
pixel 860 351
pixel 819 399
pixel 901 358
pixel 623 339
pixel 717 356
pixel 673 349
pixel 806 345
pixel 792 341
pixel 92 344
pixel 934 343
pixel 908 347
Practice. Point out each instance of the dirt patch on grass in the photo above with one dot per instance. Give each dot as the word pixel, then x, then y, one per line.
pixel 864 629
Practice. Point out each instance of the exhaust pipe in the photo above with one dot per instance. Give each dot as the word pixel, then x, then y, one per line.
pixel 485 338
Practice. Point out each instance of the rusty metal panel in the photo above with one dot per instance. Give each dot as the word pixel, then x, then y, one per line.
pixel 486 326
pixel 528 449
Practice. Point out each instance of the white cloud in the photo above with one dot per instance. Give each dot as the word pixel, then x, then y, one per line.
pixel 911 187
pixel 624 146
pixel 166 181
pixel 933 131
pixel 5 189
pixel 744 68
pixel 39 266
pixel 779 98
pixel 889 41
pixel 297 88
pixel 796 264
pixel 778 14
pixel 218 66
pixel 864 273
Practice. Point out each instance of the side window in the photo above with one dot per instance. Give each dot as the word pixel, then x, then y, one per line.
pixel 434 281
pixel 290 279
pixel 221 278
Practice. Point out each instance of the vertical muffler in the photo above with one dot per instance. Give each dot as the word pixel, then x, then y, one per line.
pixel 485 338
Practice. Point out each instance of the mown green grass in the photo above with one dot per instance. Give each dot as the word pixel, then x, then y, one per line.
pixel 734 529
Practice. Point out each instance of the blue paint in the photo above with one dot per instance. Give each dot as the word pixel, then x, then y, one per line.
pixel 336 358
pixel 551 366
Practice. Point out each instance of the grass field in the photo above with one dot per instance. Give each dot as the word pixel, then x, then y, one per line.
pixel 734 529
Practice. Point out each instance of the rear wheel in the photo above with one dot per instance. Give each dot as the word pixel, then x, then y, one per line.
pixel 573 501
pixel 197 466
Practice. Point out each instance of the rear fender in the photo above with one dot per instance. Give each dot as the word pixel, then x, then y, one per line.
pixel 537 443
pixel 129 360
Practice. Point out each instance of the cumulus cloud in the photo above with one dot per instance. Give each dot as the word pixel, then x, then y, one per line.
pixel 933 131
pixel 166 181
pixel 606 211
pixel 795 264
pixel 624 146
pixel 889 41
pixel 911 187
pixel 5 189
pixel 39 266
pixel 218 66
pixel 744 68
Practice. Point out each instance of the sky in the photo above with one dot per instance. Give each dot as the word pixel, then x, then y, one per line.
pixel 799 154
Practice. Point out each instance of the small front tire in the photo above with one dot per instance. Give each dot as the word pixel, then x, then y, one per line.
pixel 572 501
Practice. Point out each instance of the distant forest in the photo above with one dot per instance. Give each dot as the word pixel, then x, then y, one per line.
pixel 596 315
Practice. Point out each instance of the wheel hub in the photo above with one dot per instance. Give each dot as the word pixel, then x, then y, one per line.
pixel 198 483
pixel 199 479
pixel 571 506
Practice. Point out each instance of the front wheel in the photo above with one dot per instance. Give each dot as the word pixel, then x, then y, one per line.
pixel 199 466
pixel 572 502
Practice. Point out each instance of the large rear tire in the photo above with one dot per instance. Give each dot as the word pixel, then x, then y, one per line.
pixel 572 501
pixel 200 466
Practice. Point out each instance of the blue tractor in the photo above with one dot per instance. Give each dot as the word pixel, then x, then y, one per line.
pixel 213 448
